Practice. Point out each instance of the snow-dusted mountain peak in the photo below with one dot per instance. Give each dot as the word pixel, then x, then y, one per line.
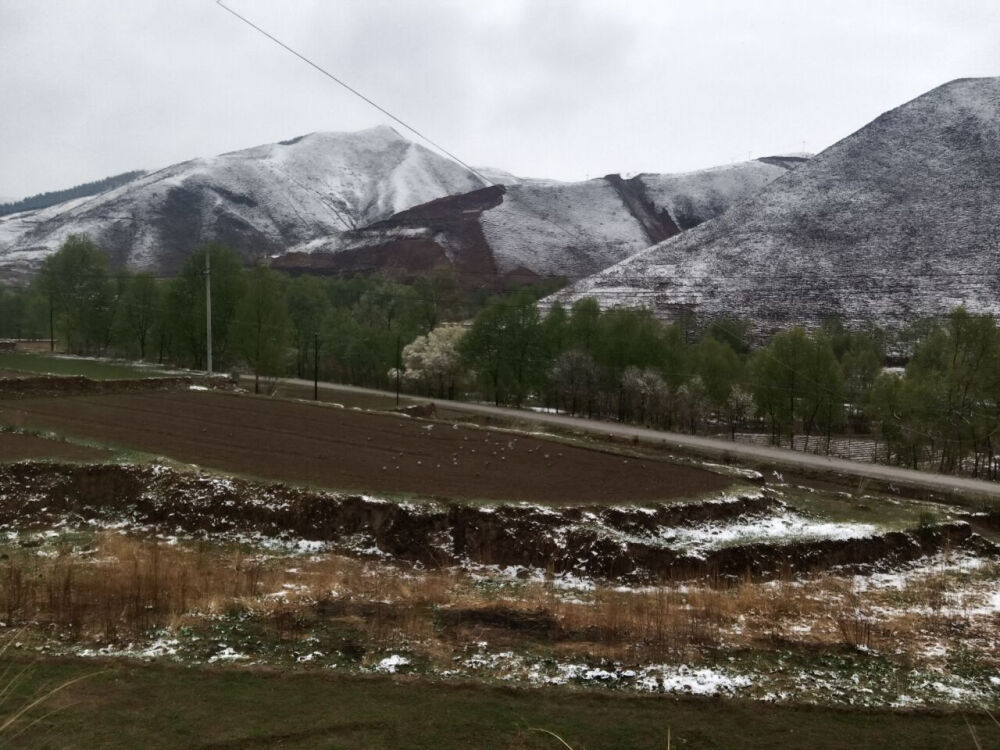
pixel 897 221
pixel 261 200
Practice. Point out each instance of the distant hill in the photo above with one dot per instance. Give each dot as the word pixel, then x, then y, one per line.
pixel 897 221
pixel 260 201
pixel 526 230
pixel 44 200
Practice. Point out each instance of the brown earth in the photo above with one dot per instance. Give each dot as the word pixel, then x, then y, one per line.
pixel 354 450
pixel 606 543
pixel 15 447
pixel 30 386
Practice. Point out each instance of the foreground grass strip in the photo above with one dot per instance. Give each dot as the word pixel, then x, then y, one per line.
pixel 221 708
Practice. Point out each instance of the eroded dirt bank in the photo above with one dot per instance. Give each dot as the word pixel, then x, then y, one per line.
pixel 624 543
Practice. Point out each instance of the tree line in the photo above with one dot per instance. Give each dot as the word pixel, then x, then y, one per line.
pixel 434 338
pixel 44 200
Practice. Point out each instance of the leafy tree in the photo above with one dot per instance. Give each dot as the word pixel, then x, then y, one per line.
pixel 739 408
pixel 504 347
pixel 575 379
pixel 644 393
pixel 308 306
pixel 694 402
pixel 75 279
pixel 138 313
pixel 434 360
pixel 186 305
pixel 261 326
pixel 821 405
pixel 719 367
pixel 437 298
pixel 584 321
pixel 733 332
pixel 954 368
pixel 776 379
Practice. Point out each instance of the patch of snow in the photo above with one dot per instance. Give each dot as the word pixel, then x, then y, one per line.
pixel 392 663
pixel 226 654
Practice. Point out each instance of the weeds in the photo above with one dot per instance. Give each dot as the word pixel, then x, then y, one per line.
pixel 116 590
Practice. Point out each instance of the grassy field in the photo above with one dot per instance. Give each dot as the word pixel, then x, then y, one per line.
pixel 134 705
pixel 45 364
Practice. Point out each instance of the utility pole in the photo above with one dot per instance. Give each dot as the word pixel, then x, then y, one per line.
pixel 315 366
pixel 52 328
pixel 399 366
pixel 208 310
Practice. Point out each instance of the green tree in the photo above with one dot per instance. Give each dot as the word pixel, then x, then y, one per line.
pixel 733 332
pixel 75 279
pixel 719 367
pixel 138 314
pixel 308 306
pixel 584 322
pixel 261 326
pixel 186 305
pixel 954 369
pixel 504 347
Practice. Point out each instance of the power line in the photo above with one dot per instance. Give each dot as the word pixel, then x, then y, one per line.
pixel 439 147
pixel 354 91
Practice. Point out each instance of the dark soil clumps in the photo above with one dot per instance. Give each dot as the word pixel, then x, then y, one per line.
pixel 560 540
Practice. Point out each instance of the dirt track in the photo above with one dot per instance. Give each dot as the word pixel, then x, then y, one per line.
pixel 352 450
pixel 14 447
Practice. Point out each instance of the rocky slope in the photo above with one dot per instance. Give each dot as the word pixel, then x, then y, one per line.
pixel 529 229
pixel 897 221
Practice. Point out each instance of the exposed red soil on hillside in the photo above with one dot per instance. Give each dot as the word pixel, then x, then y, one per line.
pixel 353 450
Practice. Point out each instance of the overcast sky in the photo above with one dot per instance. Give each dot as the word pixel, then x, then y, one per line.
pixel 547 88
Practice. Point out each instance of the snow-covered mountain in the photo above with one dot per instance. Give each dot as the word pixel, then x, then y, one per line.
pixel 260 201
pixel 898 221
pixel 529 229
pixel 373 200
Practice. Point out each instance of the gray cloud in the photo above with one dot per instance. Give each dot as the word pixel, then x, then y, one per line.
pixel 555 88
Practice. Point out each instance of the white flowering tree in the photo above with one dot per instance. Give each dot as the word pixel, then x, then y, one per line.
pixel 433 361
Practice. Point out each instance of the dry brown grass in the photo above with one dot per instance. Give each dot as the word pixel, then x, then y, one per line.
pixel 126 586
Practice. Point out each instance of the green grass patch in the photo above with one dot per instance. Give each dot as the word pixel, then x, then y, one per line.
pixel 887 512
pixel 47 364
pixel 155 706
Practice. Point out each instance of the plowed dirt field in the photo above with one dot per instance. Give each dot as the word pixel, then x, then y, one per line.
pixel 353 450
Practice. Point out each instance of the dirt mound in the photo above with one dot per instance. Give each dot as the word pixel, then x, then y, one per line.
pixel 570 540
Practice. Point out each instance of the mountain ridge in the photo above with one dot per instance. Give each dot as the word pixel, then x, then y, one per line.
pixel 318 202
pixel 898 220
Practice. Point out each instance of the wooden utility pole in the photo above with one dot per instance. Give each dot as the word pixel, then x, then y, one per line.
pixel 208 310
pixel 315 366
pixel 399 365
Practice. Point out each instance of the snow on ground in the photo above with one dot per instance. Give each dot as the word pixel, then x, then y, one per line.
pixel 788 526
pixel 694 197
pixel 392 663
pixel 561 229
